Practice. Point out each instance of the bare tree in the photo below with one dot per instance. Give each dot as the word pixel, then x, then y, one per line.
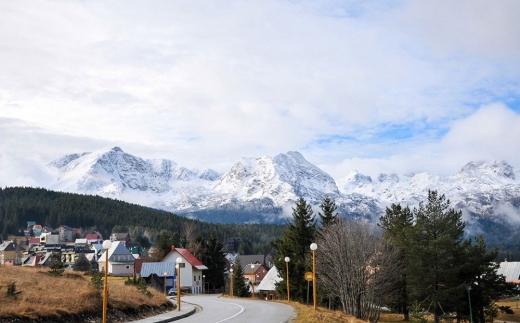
pixel 354 263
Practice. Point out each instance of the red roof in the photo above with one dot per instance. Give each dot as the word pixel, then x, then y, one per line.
pixel 34 240
pixel 92 236
pixel 186 254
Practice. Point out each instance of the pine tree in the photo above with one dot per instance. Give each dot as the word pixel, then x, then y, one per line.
pixel 328 216
pixel 396 224
pixel 215 261
pixel 434 264
pixel 240 288
pixel 57 266
pixel 479 271
pixel 295 243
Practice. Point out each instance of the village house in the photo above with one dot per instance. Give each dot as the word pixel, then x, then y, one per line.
pixel 510 270
pixel 160 275
pixel 124 237
pixel 94 238
pixel 10 254
pixel 191 269
pixel 66 233
pixel 254 272
pixel 120 260
pixel 267 288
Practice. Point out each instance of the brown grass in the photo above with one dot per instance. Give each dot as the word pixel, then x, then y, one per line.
pixel 306 314
pixel 509 317
pixel 42 295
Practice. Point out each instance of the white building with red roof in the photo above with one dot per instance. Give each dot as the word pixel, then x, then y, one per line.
pixel 191 273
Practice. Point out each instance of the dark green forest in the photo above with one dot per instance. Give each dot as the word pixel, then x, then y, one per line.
pixel 49 208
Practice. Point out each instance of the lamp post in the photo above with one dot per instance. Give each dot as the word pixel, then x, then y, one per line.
pixel 469 300
pixel 179 262
pixel 165 273
pixel 203 284
pixel 253 280
pixel 231 282
pixel 314 246
pixel 287 259
pixel 106 245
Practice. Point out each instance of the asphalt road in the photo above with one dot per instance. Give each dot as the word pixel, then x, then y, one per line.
pixel 233 310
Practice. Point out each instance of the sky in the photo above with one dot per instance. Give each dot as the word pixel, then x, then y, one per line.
pixel 373 86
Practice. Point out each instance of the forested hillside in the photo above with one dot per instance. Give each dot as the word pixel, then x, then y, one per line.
pixel 21 204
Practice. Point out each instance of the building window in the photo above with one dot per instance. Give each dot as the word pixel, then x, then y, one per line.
pixel 127 267
pixel 194 278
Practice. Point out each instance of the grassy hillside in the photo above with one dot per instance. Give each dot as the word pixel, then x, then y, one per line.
pixel 72 297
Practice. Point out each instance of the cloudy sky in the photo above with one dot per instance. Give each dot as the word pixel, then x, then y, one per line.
pixel 373 86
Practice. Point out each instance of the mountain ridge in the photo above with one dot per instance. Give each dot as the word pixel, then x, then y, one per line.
pixel 263 189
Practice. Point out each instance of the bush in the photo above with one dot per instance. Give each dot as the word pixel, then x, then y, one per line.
pixel 96 280
pixel 11 290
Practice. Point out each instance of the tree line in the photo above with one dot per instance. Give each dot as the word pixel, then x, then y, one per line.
pixel 18 205
pixel 414 261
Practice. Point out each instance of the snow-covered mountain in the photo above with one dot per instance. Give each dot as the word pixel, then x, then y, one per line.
pixel 264 189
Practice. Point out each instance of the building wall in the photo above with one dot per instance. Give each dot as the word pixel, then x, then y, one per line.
pixel 187 273
pixel 121 269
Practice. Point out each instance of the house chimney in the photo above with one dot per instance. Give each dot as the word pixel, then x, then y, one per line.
pixel 173 248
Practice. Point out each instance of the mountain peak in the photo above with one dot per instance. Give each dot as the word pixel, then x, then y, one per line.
pixel 499 169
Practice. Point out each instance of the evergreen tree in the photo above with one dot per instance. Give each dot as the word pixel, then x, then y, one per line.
pixel 479 271
pixel 164 244
pixel 435 262
pixel 240 288
pixel 396 224
pixel 215 260
pixel 328 216
pixel 295 243
pixel 57 266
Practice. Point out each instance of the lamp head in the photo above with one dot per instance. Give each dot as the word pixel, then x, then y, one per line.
pixel 287 259
pixel 314 246
pixel 252 266
pixel 231 270
pixel 107 244
pixel 178 260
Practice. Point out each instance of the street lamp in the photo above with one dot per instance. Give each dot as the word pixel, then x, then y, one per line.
pixel 106 245
pixel 231 282
pixel 314 246
pixel 253 280
pixel 469 300
pixel 165 273
pixel 287 259
pixel 203 286
pixel 179 262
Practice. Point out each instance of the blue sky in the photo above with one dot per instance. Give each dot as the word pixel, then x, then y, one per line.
pixel 373 86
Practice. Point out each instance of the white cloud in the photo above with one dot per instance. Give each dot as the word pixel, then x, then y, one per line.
pixel 207 83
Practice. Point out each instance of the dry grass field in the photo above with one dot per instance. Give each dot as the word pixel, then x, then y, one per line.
pixel 44 296
pixel 502 317
pixel 306 314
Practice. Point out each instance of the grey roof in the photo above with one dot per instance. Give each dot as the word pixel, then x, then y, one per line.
pixel 246 268
pixel 510 270
pixel 270 279
pixel 251 259
pixel 7 246
pixel 157 268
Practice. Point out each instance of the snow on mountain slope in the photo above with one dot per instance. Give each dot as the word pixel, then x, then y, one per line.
pixel 282 178
pixel 481 188
pixel 264 186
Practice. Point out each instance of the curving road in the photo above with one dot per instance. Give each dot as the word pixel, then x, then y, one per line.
pixel 233 310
